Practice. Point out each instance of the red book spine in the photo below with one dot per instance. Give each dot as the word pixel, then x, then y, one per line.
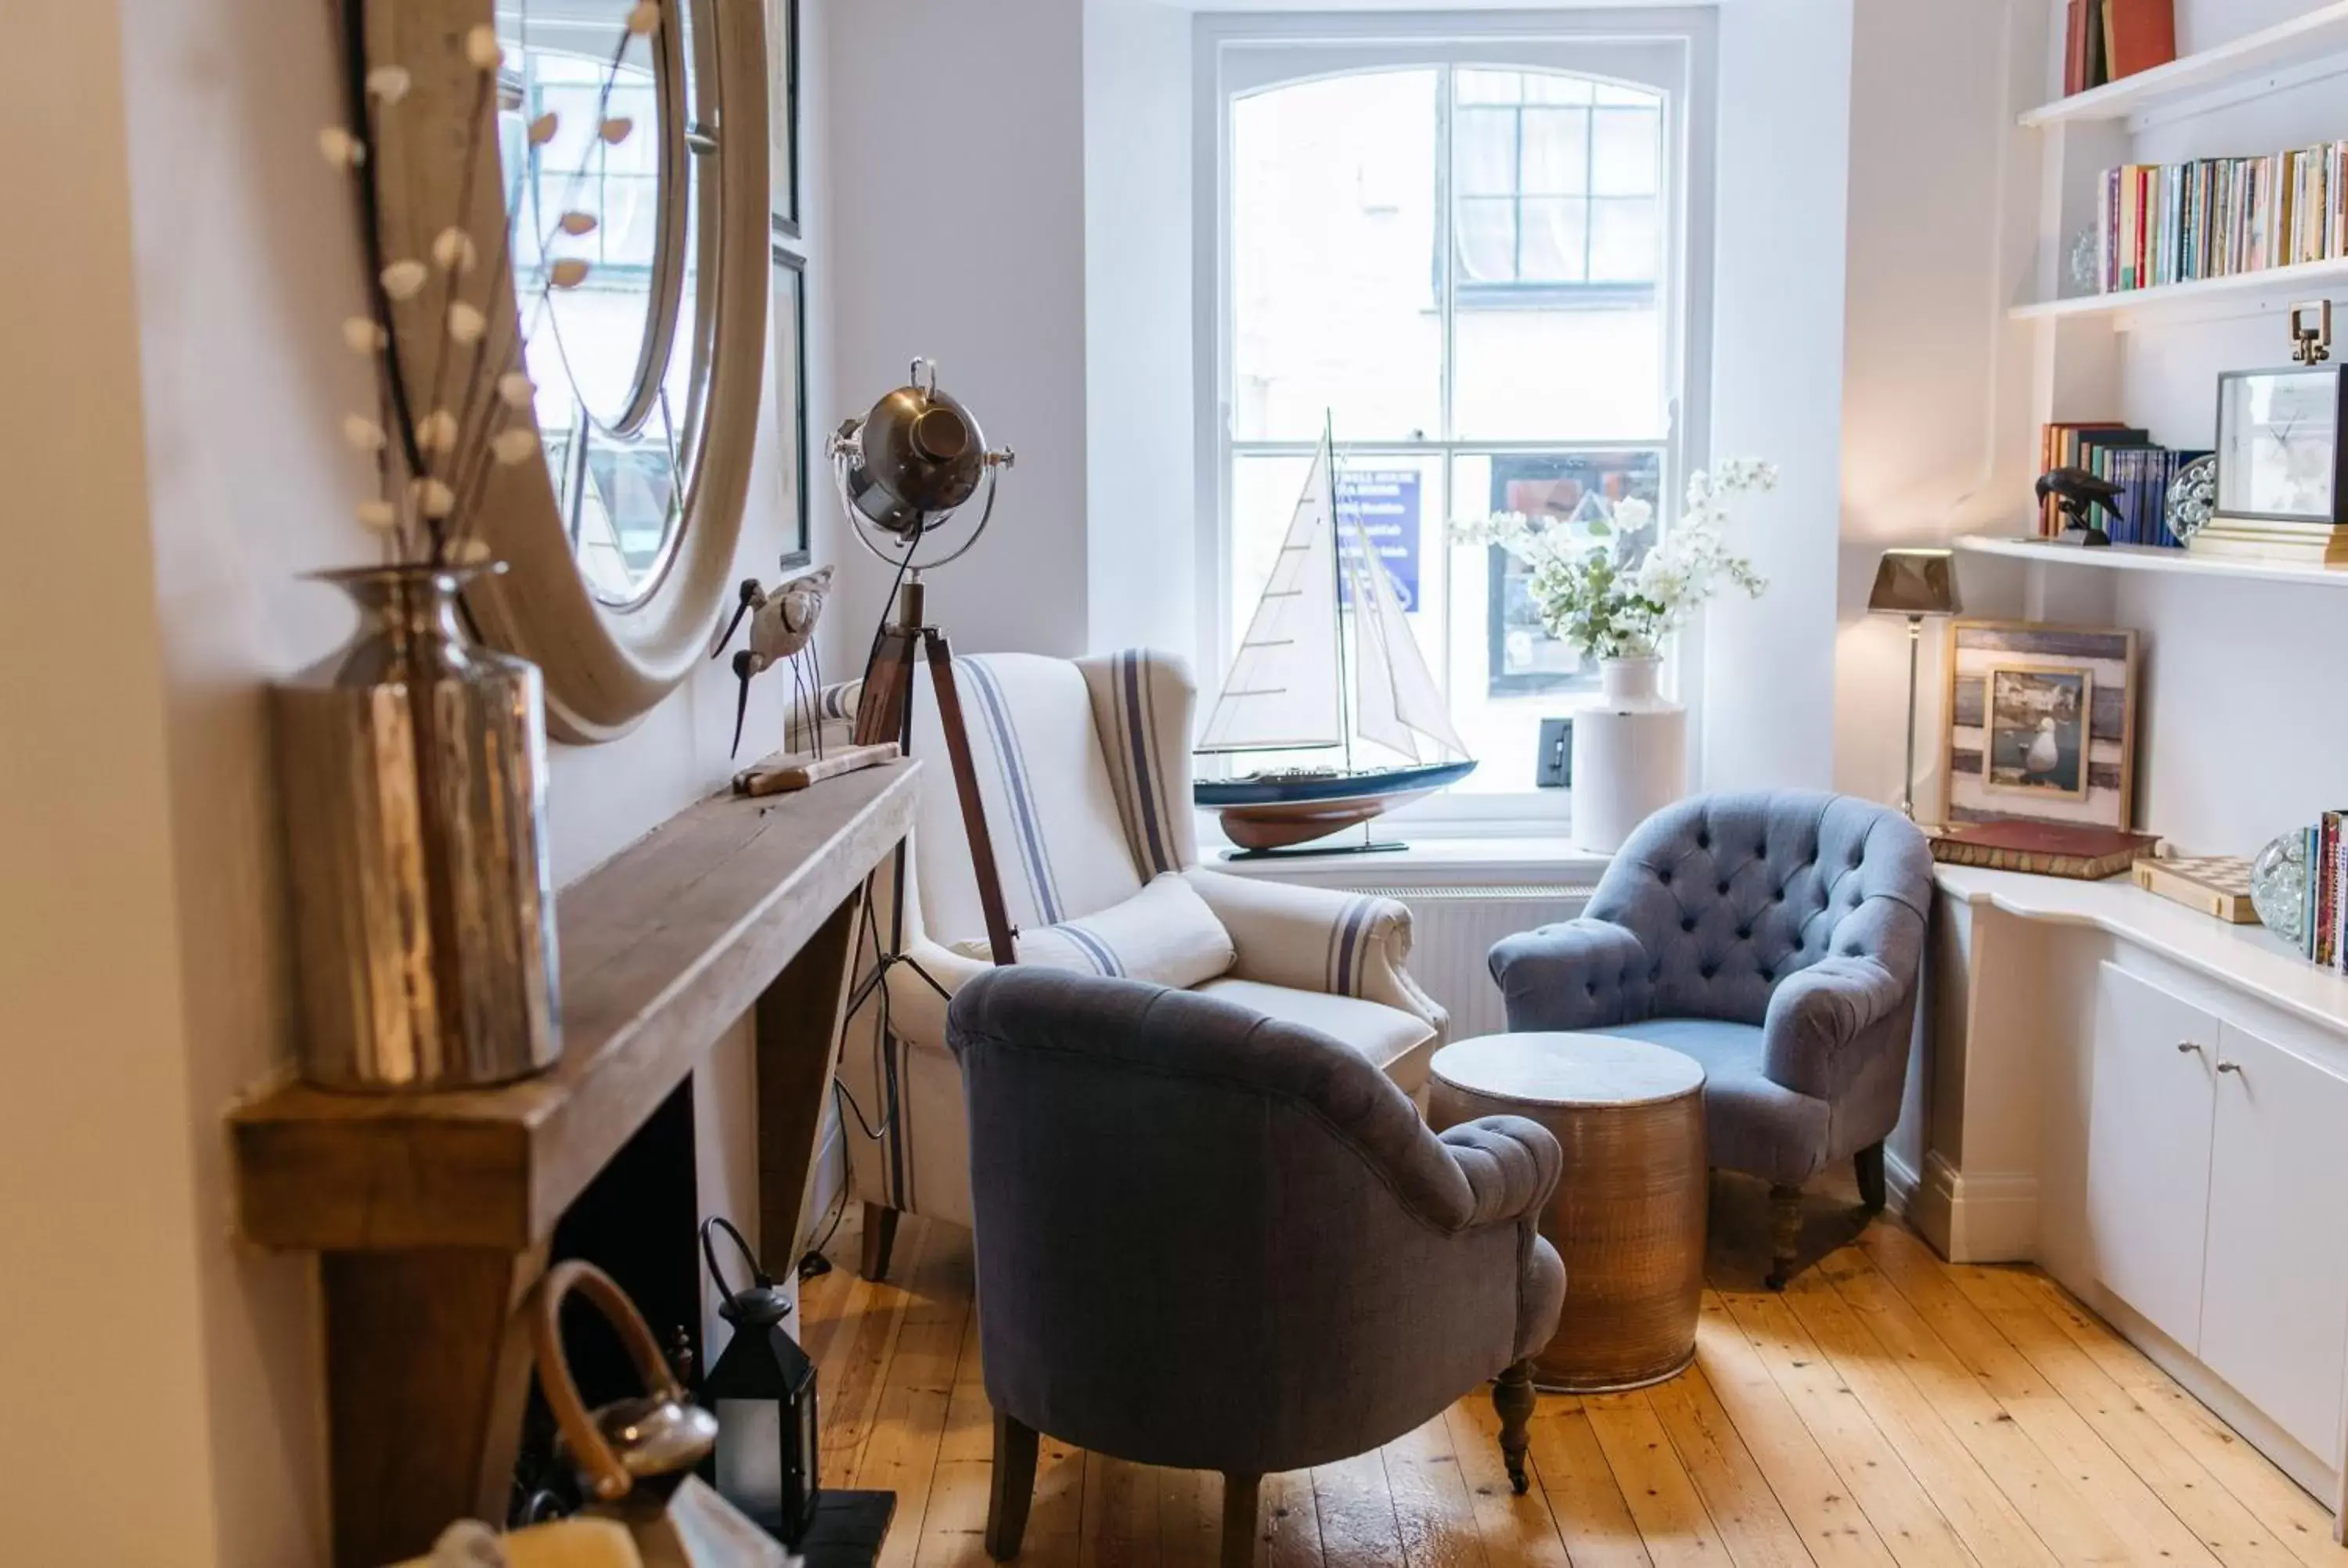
pixel 2144 34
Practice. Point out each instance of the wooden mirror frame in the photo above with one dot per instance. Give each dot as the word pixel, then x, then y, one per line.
pixel 605 665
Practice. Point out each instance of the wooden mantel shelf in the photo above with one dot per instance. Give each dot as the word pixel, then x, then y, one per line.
pixel 661 949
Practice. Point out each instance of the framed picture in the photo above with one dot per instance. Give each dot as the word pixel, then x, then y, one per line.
pixel 2041 724
pixel 783 114
pixel 2279 446
pixel 787 314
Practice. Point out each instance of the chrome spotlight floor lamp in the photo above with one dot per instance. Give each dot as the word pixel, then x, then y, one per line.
pixel 1914 583
pixel 905 471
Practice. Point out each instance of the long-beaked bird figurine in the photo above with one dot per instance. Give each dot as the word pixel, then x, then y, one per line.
pixel 2077 493
pixel 782 629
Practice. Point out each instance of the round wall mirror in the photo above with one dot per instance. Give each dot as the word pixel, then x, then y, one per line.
pixel 608 172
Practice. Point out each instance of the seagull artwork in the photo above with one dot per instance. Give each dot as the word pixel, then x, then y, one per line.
pixel 2043 754
pixel 782 630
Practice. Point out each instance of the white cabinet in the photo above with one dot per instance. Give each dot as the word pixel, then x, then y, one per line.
pixel 2274 1304
pixel 2148 1150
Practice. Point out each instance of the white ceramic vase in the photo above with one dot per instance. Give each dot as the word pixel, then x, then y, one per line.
pixel 1630 754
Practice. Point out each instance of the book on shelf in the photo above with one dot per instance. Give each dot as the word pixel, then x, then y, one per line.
pixel 2104 40
pixel 2128 458
pixel 2043 848
pixel 2219 885
pixel 2163 223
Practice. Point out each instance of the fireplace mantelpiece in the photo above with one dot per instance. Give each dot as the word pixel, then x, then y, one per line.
pixel 433 1213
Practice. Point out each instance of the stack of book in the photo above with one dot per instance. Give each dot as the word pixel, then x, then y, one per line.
pixel 2130 458
pixel 2323 929
pixel 2182 223
pixel 2104 40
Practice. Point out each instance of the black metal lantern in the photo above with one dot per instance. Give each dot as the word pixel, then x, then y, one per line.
pixel 763 1391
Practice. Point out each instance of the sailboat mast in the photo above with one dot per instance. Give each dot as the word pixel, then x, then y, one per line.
pixel 1337 599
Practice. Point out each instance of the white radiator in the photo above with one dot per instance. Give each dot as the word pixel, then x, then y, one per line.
pixel 1452 929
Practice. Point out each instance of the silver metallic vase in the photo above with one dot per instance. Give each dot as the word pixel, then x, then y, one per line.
pixel 411 769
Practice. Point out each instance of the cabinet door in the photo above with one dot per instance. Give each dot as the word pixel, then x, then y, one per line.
pixel 2148 1150
pixel 2274 1304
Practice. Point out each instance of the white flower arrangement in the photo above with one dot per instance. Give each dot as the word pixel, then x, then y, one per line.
pixel 433 452
pixel 1596 588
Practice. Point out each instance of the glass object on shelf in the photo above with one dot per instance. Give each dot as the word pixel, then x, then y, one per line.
pixel 2279 886
pixel 2086 262
pixel 2192 497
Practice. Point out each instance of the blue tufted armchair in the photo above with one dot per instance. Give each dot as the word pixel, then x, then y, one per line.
pixel 1777 938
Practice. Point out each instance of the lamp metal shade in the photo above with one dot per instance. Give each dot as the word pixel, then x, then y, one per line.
pixel 1915 582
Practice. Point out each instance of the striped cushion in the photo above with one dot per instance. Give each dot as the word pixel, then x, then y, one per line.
pixel 1164 934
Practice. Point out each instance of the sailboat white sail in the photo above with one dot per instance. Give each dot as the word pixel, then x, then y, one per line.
pixel 1282 694
pixel 1394 688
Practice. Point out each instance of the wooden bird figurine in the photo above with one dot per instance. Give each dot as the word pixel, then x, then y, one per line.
pixel 782 628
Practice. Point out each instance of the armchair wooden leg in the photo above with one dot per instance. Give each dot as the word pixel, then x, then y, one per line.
pixel 1784 1233
pixel 1512 1396
pixel 880 1239
pixel 1012 1488
pixel 1239 1520
pixel 1873 1191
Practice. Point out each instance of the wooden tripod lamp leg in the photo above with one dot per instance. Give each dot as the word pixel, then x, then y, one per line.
pixel 974 809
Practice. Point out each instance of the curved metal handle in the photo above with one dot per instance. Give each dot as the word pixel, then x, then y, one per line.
pixel 2186 1045
pixel 2230 1066
pixel 579 1431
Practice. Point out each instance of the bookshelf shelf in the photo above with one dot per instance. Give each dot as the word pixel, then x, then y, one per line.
pixel 2271 286
pixel 2140 557
pixel 2236 64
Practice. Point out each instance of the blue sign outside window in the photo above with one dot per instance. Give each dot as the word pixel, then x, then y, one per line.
pixel 1384 505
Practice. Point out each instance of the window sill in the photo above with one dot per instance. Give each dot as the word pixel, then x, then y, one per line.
pixel 1479 854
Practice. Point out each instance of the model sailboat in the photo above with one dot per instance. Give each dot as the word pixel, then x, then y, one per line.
pixel 1287 691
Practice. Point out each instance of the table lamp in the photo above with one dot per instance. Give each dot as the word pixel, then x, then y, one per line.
pixel 1914 583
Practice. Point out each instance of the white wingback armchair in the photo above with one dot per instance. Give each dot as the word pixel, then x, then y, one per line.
pixel 1084 767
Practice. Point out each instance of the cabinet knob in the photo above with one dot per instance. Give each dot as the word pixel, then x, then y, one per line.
pixel 2186 1045
pixel 2230 1066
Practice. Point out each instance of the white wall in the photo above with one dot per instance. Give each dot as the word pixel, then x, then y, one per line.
pixel 175 381
pixel 958 231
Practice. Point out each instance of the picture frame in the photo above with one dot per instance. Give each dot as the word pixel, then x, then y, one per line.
pixel 783 116
pixel 2040 724
pixel 2279 446
pixel 787 317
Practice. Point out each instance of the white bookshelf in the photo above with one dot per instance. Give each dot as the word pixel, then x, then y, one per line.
pixel 2272 289
pixel 2273 56
pixel 2146 558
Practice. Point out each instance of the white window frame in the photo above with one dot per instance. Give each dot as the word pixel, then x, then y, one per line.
pixel 1243 52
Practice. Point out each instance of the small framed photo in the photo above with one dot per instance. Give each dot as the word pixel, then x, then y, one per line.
pixel 788 316
pixel 2279 446
pixel 783 114
pixel 2041 724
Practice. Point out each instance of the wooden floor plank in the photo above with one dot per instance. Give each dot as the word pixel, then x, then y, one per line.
pixel 1813 1494
pixel 2060 1515
pixel 954 1527
pixel 2129 1507
pixel 2298 1520
pixel 1189 1517
pixel 1121 1515
pixel 1433 1511
pixel 1752 1522
pixel 1912 1529
pixel 1517 1531
pixel 1592 1516
pixel 1289 1521
pixel 2221 1524
pixel 1980 1513
pixel 901 1454
pixel 1672 1522
pixel 1357 1513
pixel 853 1380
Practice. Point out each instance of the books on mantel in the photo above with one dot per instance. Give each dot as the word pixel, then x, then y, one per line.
pixel 2104 40
pixel 2324 930
pixel 2130 458
pixel 2043 848
pixel 2215 217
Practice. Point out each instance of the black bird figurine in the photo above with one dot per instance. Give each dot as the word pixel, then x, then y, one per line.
pixel 2075 491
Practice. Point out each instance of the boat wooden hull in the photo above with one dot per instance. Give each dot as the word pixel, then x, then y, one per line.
pixel 1280 826
pixel 1281 813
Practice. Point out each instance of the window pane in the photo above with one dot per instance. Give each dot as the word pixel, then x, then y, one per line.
pixel 1333 222
pixel 1571 371
pixel 1556 88
pixel 1623 247
pixel 1507 672
pixel 1554 234
pixel 1628 151
pixel 1556 152
pixel 1627 95
pixel 1484 160
pixel 1487 87
pixel 1488 241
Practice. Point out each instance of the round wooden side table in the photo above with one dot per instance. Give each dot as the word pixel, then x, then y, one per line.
pixel 1628 1216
